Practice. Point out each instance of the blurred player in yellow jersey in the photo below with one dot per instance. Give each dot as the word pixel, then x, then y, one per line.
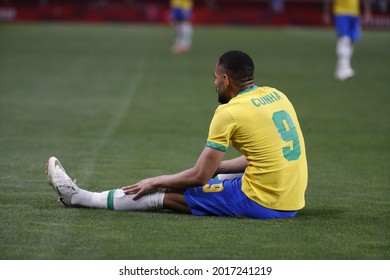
pixel 259 121
pixel 181 13
pixel 348 26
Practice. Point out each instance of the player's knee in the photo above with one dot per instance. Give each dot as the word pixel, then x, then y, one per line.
pixel 175 201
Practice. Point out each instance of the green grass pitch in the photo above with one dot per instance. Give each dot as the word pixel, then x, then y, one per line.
pixel 115 106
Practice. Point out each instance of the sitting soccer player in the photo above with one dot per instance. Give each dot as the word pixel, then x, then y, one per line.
pixel 260 122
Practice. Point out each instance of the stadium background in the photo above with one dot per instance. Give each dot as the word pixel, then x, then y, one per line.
pixel 209 12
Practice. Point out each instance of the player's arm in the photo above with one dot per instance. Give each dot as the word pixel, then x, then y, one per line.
pixel 204 169
pixel 236 165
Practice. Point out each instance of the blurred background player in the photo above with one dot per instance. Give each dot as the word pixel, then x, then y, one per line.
pixel 181 13
pixel 348 27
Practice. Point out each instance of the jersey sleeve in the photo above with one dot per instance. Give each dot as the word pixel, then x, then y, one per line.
pixel 221 129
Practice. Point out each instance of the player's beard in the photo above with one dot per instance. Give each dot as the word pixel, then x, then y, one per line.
pixel 222 99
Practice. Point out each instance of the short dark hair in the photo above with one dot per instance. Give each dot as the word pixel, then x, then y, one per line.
pixel 238 65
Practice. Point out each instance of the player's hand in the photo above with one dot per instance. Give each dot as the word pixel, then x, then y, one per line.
pixel 141 188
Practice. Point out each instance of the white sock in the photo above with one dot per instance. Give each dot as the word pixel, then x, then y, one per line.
pixel 117 200
pixel 178 33
pixel 228 176
pixel 344 51
pixel 186 39
pixel 82 198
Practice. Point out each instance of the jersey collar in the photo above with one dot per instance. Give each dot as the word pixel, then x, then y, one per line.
pixel 247 90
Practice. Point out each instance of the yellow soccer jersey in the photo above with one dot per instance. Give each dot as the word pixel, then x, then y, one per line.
pixel 262 124
pixel 346 7
pixel 182 4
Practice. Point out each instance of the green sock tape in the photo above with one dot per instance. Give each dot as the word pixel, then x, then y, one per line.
pixel 110 200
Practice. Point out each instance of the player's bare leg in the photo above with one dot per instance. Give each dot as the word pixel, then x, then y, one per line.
pixel 175 201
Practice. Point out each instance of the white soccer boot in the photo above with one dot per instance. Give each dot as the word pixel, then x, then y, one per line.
pixel 61 182
pixel 344 74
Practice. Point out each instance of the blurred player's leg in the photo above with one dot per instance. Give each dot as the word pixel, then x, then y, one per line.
pixel 183 37
pixel 187 35
pixel 178 34
pixel 181 17
pixel 344 51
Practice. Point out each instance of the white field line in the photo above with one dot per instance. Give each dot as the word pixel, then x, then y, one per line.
pixel 114 123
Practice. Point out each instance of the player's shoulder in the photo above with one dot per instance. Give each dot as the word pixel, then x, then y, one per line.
pixel 270 90
pixel 267 88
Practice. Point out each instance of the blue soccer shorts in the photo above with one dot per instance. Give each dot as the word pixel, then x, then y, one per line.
pixel 180 14
pixel 348 26
pixel 225 198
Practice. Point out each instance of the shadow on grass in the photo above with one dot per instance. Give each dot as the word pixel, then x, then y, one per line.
pixel 322 213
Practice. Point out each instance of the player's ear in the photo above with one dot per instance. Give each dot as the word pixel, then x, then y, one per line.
pixel 226 80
